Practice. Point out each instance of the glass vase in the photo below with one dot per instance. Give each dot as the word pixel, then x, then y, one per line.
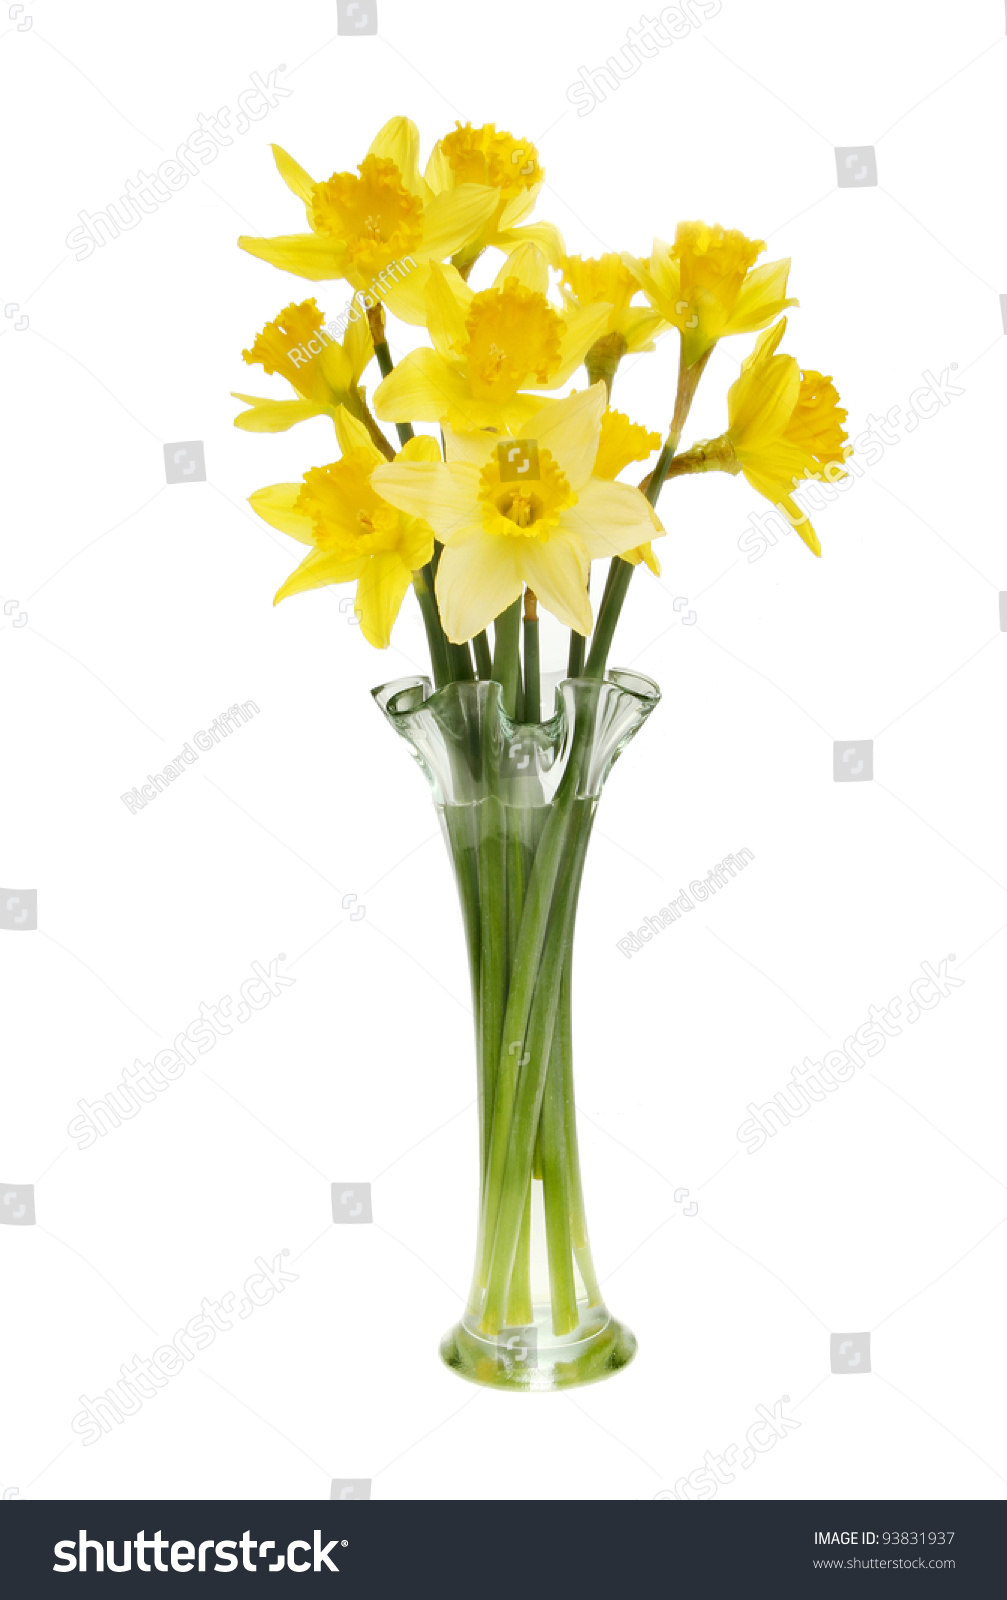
pixel 516 803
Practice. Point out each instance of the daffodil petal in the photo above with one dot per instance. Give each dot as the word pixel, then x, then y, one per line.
pixel 319 568
pixel 276 416
pixel 610 518
pixel 448 298
pixel 474 447
pixel 583 327
pixel 353 435
pixel 761 402
pixel 761 298
pixel 423 387
pixel 445 495
pixel 294 176
pixel 276 504
pixel 529 266
pixel 543 234
pixel 477 578
pixel 801 523
pixel 399 141
pixel 306 254
pixel 455 216
pixel 640 327
pixel 405 296
pixel 557 570
pixel 381 589
pixel 570 430
pixel 421 447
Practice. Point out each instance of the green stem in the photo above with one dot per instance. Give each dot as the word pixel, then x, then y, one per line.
pixel 532 709
pixel 556 1187
pixel 376 323
pixel 460 663
pixel 575 659
pixel 621 571
pixel 506 662
pixel 481 648
pixel 423 583
pixel 521 1077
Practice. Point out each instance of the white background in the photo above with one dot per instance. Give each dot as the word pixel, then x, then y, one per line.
pixel 149 612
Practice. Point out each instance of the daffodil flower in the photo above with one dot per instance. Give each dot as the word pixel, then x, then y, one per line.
pixel 379 226
pixel 492 350
pixel 354 534
pixel 785 425
pixel 622 443
pixel 590 280
pixel 508 165
pixel 503 528
pixel 324 374
pixel 707 286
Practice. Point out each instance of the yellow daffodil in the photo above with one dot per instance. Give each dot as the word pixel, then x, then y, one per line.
pixel 323 373
pixel 785 426
pixel 354 533
pixel 490 349
pixel 623 442
pixel 508 516
pixel 508 165
pixel 379 226
pixel 591 280
pixel 707 286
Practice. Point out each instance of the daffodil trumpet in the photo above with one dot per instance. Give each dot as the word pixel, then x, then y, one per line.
pixel 522 478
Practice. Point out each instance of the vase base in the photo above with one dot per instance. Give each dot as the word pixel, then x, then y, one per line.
pixel 534 1360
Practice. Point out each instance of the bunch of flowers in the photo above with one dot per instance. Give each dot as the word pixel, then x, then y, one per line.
pixel 501 507
pixel 521 493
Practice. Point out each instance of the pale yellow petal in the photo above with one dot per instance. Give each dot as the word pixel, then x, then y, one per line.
pixel 477 578
pixel 610 518
pixel 570 430
pixel 557 570
pixel 445 495
pixel 475 446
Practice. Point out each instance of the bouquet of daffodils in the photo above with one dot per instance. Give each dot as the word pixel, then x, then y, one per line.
pixel 501 508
